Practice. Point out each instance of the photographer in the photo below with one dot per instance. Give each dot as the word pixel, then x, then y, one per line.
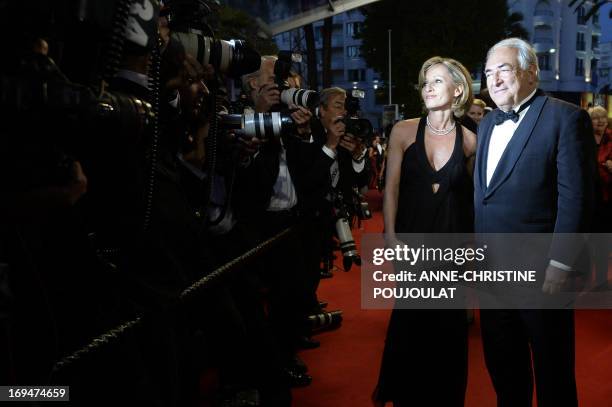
pixel 271 198
pixel 339 166
pixel 342 155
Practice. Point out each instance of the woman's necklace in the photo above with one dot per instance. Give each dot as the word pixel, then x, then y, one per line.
pixel 442 132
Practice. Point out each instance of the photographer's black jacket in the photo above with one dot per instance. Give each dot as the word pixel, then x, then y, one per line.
pixel 255 182
pixel 318 185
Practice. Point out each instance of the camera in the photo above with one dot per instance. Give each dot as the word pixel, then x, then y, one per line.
pixel 47 101
pixel 42 87
pixel 358 127
pixel 343 231
pixel 363 210
pixel 187 21
pixel 352 104
pixel 282 71
pixel 260 125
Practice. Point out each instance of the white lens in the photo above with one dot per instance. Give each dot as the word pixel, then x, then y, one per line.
pixel 226 55
pixel 287 96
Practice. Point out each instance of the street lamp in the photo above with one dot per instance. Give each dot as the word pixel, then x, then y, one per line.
pixel 389 66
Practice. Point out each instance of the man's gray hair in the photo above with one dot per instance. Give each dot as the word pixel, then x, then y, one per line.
pixel 526 54
pixel 327 93
pixel 246 87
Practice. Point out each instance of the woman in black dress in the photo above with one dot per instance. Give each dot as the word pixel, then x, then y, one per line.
pixel 429 190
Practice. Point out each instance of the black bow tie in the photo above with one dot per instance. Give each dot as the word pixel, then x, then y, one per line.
pixel 501 116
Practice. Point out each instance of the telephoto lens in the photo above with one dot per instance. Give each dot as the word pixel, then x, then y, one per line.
pixel 347 244
pixel 234 57
pixel 267 125
pixel 300 97
pixel 325 321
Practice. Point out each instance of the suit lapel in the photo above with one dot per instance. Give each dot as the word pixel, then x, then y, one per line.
pixel 482 152
pixel 515 146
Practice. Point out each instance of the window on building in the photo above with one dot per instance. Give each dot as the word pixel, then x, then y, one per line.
pixel 596 18
pixel 337 29
pixel 318 33
pixel 543 35
pixel 337 76
pixel 352 29
pixel 355 75
pixel 352 51
pixel 595 41
pixel 544 61
pixel 543 8
pixel 580 45
pixel 579 67
pixel 594 63
pixel 580 16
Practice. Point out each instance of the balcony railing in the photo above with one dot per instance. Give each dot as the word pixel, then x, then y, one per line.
pixel 546 20
pixel 542 40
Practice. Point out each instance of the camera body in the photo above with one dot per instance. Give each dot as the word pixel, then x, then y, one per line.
pixel 360 128
pixel 355 125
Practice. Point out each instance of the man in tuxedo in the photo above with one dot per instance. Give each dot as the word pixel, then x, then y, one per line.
pixel 531 176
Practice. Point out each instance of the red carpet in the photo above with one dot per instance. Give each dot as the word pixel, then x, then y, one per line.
pixel 345 367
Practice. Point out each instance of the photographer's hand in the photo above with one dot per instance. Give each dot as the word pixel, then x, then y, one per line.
pixel 267 96
pixel 302 117
pixel 353 145
pixel 247 147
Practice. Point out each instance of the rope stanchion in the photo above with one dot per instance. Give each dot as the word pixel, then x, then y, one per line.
pixel 233 264
pixel 113 335
pixel 106 338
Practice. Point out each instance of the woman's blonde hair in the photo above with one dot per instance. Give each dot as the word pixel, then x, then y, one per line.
pixel 479 102
pixel 461 79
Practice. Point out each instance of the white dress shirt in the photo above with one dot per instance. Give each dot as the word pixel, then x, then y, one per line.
pixel 501 136
pixel 284 196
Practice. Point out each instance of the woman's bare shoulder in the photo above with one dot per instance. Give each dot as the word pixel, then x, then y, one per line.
pixel 404 132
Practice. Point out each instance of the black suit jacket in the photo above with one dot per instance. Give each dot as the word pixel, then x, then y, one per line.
pixel 543 182
pixel 318 184
pixel 255 182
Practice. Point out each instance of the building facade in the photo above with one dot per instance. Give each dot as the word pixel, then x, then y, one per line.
pixel 348 68
pixel 569 49
pixel 575 65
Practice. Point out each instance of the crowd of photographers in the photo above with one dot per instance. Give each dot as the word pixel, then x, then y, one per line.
pixel 129 174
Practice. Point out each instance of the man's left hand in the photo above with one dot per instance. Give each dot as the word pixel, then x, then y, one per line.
pixel 302 117
pixel 353 145
pixel 554 280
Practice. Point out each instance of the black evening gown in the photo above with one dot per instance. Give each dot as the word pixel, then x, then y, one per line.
pixel 425 358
